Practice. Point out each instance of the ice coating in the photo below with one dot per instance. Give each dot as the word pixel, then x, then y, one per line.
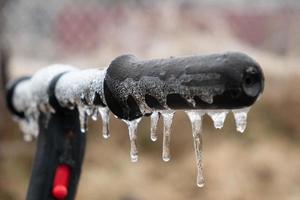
pixel 154 121
pixel 23 102
pixel 195 117
pixel 167 116
pixel 159 89
pixel 240 116
pixel 40 82
pixel 30 97
pixel 79 88
pixel 72 89
pixel 132 131
pixel 22 96
pixel 81 85
pixel 218 117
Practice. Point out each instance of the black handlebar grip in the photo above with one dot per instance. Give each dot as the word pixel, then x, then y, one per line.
pixel 134 88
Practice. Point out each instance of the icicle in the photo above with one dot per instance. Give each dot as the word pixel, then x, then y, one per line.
pixel 132 131
pixel 167 117
pixel 83 119
pixel 196 122
pixel 154 121
pixel 104 112
pixel 218 117
pixel 240 116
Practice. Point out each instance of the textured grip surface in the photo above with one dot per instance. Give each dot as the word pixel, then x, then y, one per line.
pixel 134 87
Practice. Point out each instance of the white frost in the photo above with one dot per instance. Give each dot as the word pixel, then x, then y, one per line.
pixel 76 86
pixel 30 97
pixel 159 89
pixel 40 82
pixel 23 102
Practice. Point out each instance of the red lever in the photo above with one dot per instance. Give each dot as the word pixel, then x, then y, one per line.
pixel 61 182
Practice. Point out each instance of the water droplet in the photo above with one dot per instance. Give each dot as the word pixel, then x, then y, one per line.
pixel 196 122
pixel 95 114
pixel 154 121
pixel 218 117
pixel 240 116
pixel 132 131
pixel 167 117
pixel 104 112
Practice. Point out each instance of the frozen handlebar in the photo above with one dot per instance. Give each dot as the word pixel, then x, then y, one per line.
pixel 56 101
pixel 132 88
pixel 135 87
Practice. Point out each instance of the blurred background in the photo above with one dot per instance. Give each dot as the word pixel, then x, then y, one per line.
pixel 262 163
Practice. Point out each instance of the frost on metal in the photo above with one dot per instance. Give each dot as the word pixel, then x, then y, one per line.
pixel 80 89
pixel 31 97
pixel 81 85
pixel 23 101
pixel 159 89
pixel 76 88
pixel 83 90
pixel 40 82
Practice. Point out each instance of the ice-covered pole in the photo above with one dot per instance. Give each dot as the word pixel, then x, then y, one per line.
pixel 132 88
